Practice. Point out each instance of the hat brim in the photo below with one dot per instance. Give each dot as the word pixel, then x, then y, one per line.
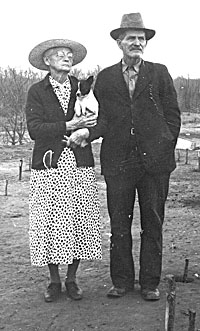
pixel 37 53
pixel 116 33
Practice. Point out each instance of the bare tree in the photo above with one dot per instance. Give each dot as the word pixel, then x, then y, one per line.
pixel 13 91
pixel 188 91
pixel 78 73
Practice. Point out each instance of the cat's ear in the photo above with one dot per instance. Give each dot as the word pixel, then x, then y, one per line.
pixel 90 79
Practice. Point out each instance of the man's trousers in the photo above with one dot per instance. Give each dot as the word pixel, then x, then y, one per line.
pixel 152 193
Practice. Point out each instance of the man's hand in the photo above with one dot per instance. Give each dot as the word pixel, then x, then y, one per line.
pixel 83 121
pixel 77 137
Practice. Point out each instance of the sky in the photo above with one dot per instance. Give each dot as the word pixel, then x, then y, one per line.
pixel 25 23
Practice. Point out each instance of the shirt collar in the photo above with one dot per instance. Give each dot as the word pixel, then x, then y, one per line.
pixel 47 81
pixel 136 67
pixel 54 82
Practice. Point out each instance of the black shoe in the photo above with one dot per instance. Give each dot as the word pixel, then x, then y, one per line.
pixel 73 291
pixel 150 295
pixel 116 292
pixel 53 291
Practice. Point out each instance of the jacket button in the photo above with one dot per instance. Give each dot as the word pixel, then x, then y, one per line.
pixel 132 131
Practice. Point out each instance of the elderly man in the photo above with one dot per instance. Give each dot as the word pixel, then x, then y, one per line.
pixel 139 120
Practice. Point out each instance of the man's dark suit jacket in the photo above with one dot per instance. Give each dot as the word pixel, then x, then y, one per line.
pixel 153 112
pixel 46 123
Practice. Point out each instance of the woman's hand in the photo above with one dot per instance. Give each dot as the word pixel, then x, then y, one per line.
pixel 83 121
pixel 77 137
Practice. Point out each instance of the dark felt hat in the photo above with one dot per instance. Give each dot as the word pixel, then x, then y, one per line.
pixel 132 21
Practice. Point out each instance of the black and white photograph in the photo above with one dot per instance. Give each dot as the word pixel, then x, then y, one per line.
pixel 100 165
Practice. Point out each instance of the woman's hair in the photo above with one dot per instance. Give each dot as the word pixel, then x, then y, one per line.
pixel 52 50
pixel 49 52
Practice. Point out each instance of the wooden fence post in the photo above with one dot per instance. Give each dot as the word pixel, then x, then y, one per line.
pixel 186 156
pixel 29 164
pixel 20 169
pixel 6 188
pixel 185 274
pixel 170 303
pixel 179 155
pixel 198 154
pixel 192 315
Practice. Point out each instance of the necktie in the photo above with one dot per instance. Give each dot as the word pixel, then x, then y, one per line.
pixel 132 76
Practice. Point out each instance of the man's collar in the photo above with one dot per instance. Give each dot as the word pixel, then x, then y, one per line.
pixel 136 67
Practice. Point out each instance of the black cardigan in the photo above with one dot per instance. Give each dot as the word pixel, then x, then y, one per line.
pixel 46 124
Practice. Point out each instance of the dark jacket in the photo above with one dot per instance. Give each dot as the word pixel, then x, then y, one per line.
pixel 153 112
pixel 46 123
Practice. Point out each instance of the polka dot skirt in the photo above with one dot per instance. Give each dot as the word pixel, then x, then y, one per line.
pixel 64 213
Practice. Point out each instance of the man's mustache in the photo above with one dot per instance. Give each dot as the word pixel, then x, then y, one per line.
pixel 136 48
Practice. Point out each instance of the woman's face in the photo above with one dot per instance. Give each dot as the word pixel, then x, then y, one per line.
pixel 59 59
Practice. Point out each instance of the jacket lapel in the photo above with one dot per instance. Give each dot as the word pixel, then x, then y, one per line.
pixel 74 87
pixel 145 75
pixel 143 79
pixel 119 82
pixel 74 84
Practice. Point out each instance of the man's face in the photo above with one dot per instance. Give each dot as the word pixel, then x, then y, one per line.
pixel 59 59
pixel 133 44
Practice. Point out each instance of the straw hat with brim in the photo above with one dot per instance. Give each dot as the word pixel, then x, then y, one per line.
pixel 132 21
pixel 37 53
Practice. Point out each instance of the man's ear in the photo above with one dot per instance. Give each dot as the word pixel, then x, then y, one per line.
pixel 119 43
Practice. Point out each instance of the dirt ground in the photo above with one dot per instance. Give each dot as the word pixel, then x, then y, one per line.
pixel 22 307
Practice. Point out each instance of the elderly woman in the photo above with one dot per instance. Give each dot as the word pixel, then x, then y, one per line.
pixel 64 205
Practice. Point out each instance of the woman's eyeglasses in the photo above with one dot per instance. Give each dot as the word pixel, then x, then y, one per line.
pixel 62 54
